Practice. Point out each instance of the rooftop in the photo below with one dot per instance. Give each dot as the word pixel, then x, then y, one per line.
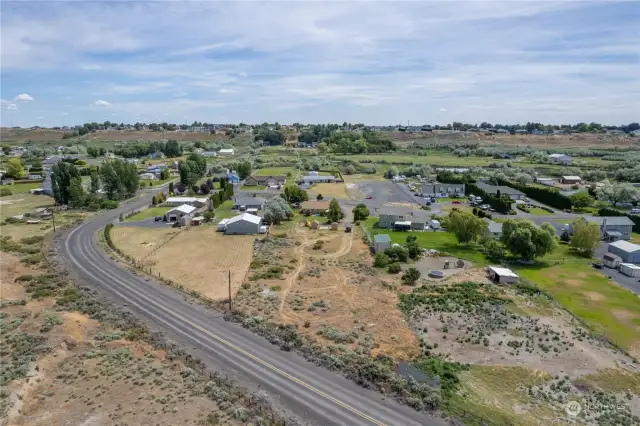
pixel 382 238
pixel 571 177
pixel 265 178
pixel 630 266
pixel 242 201
pixel 614 220
pixel 186 200
pixel 557 155
pixel 503 272
pixel 245 217
pixel 493 189
pixel 404 211
pixel 318 177
pixel 185 208
pixel 626 246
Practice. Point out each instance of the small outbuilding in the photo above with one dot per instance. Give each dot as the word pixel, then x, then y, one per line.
pixel 628 252
pixel 314 224
pixel 334 226
pixel 570 180
pixel 381 242
pixel 502 275
pixel 222 225
pixel 630 270
pixel 184 211
pixel 244 224
pixel 196 221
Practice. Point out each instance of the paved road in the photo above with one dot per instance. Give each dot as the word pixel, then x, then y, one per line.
pixel 310 393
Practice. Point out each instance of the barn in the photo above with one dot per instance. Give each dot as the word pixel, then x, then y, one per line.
pixel 244 224
pixel 628 252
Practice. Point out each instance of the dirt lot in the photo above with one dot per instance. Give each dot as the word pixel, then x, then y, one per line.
pixel 141 242
pixel 329 190
pixel 198 258
pixel 328 289
pixel 86 373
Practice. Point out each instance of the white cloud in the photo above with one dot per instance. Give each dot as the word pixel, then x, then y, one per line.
pixel 443 110
pixel 113 115
pixel 228 91
pixel 7 105
pixel 23 97
pixel 100 102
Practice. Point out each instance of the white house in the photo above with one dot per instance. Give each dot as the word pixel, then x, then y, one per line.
pixel 147 176
pixel 560 158
pixel 180 212
pixel 244 224
pixel 192 201
pixel 226 151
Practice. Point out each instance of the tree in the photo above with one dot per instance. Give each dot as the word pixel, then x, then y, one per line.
pixel 381 260
pixel 618 193
pixel 397 254
pixel 319 197
pixel 171 188
pixel 93 151
pixel 120 179
pixel 172 149
pixel 523 238
pixel 350 169
pixel 586 236
pixel 360 212
pixel 410 276
pixel 494 250
pixel 95 182
pixel 294 194
pixel 244 169
pixel 61 175
pixel 6 149
pixel 204 188
pixel 76 192
pixel 165 174
pixel 581 199
pixel 466 226
pixel 335 213
pixel 413 249
pixel 276 210
pixel 393 171
pixel 15 168
pixel 394 268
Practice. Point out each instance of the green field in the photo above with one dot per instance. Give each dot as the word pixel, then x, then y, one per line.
pixel 602 304
pixel 148 213
pixel 22 188
pixel 275 171
pixel 635 237
pixel 224 211
pixel 252 188
pixel 537 211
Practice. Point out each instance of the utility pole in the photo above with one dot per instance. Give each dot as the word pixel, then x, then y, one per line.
pixel 229 289
pixel 53 217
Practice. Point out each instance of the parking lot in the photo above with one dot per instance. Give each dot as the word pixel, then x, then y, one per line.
pixel 387 192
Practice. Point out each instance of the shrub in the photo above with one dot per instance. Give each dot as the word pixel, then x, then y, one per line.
pixel 4 192
pixel 381 260
pixel 410 276
pixel 394 268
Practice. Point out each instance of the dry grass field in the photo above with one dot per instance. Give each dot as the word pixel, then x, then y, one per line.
pixel 200 259
pixel 140 242
pixel 333 190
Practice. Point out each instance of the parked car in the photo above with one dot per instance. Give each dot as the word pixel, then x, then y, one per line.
pixel 485 206
pixel 157 218
pixel 456 201
pixel 369 197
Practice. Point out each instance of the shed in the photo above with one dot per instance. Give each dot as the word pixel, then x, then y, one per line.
pixel 314 224
pixel 196 221
pixel 630 270
pixel 611 260
pixel 628 252
pixel 334 226
pixel 244 224
pixel 381 242
pixel 434 224
pixel 184 210
pixel 571 179
pixel 502 275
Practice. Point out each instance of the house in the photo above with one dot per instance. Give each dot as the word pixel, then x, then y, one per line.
pixel 611 260
pixel 494 229
pixel 156 155
pixel 210 154
pixel 560 158
pixel 502 275
pixel 265 180
pixel 244 224
pixel 156 168
pixel 630 270
pixel 181 213
pixel 442 189
pixel 192 201
pixel 35 177
pixel 232 177
pixel 392 217
pixel 381 242
pixel 628 252
pixel 514 194
pixel 226 151
pixel 147 176
pixel 198 150
pixel 570 180
pixel 615 228
pixel 311 179
pixel 244 203
pixel 314 206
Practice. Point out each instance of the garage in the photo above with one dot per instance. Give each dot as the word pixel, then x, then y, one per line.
pixel 628 252
pixel 244 224
pixel 179 212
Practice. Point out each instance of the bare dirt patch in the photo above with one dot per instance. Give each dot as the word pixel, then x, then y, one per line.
pixel 200 259
pixel 331 293
pixel 329 190
pixel 140 242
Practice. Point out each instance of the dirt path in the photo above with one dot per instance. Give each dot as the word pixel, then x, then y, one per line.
pixel 299 252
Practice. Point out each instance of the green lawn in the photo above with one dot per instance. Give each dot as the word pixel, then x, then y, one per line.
pixel 21 188
pixel 224 210
pixel 275 171
pixel 148 213
pixel 252 188
pixel 441 241
pixel 537 211
pixel 635 237
pixel 602 304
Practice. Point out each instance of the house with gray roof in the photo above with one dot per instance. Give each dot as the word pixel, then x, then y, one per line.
pixel 246 203
pixel 628 252
pixel 402 218
pixel 494 229
pixel 612 228
pixel 318 179
pixel 442 189
pixel 513 193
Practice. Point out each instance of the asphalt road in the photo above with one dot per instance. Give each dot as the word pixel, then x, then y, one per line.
pixel 310 393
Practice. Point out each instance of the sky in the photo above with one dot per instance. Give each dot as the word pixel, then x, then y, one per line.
pixel 386 63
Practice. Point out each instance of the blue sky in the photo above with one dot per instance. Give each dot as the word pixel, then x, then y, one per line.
pixel 371 62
